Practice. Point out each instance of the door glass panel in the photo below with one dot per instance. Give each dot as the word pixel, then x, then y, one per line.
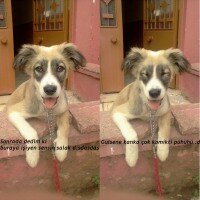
pixel 159 14
pixel 2 14
pixel 107 11
pixel 48 15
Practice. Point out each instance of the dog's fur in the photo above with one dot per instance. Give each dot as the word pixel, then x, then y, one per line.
pixel 48 69
pixel 153 72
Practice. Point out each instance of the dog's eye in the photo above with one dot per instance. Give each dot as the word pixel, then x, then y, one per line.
pixel 165 74
pixel 144 74
pixel 39 69
pixel 60 69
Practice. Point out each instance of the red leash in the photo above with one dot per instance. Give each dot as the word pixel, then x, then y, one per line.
pixel 51 127
pixel 154 129
pixel 56 173
pixel 157 177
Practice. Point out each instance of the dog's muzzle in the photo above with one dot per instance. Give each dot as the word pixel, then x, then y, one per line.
pixel 50 101
pixel 154 102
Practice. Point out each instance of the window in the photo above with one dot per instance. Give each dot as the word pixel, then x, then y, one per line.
pixel 48 15
pixel 159 14
pixel 2 14
pixel 107 11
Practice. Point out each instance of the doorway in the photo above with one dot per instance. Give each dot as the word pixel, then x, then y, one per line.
pixel 132 17
pixel 22 15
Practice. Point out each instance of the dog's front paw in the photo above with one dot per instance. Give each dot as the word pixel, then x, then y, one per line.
pixel 162 151
pixel 61 148
pixel 131 154
pixel 32 154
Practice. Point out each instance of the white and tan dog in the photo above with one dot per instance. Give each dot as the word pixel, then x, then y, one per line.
pixel 48 69
pixel 153 72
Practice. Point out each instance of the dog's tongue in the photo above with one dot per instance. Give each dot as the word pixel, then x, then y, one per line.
pixel 49 102
pixel 154 105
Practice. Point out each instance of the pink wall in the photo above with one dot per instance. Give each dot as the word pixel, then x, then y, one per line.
pixel 86 35
pixel 190 31
pixel 189 82
pixel 86 28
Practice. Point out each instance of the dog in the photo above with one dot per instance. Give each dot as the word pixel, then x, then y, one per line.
pixel 153 71
pixel 48 68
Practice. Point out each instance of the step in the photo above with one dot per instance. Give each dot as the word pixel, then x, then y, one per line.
pixel 176 172
pixel 187 118
pixel 189 83
pixel 186 131
pixel 91 130
pixel 86 81
pixel 79 165
pixel 76 172
pixel 85 116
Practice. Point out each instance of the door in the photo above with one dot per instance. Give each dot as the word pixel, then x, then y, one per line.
pixel 160 24
pixel 7 78
pixel 50 22
pixel 111 46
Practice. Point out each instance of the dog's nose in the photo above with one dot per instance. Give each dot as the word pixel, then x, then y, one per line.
pixel 154 93
pixel 50 89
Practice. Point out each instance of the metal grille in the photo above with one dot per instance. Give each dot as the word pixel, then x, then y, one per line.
pixel 48 15
pixel 107 11
pixel 2 14
pixel 159 14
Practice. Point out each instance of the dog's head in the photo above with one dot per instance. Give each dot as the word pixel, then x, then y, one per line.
pixel 155 70
pixel 48 67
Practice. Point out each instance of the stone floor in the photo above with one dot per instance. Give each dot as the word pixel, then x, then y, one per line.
pixel 175 97
pixel 72 99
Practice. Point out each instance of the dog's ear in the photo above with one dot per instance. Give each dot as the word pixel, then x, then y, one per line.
pixel 25 55
pixel 133 59
pixel 70 52
pixel 177 60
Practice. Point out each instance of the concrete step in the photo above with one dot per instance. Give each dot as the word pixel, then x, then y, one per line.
pixel 76 172
pixel 87 82
pixel 187 118
pixel 176 172
pixel 189 83
pixel 85 116
pixel 9 132
pixel 184 126
pixel 79 165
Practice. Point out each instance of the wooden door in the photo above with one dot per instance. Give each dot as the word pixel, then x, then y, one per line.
pixel 111 46
pixel 50 22
pixel 7 76
pixel 160 24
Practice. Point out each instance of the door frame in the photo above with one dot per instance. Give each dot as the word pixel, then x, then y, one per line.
pixel 71 23
pixel 7 47
pixel 180 32
pixel 114 39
